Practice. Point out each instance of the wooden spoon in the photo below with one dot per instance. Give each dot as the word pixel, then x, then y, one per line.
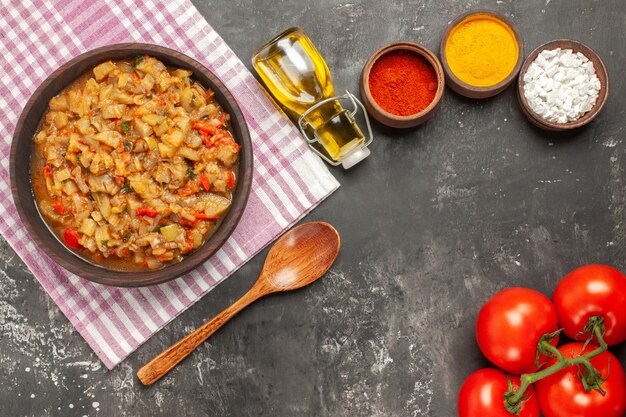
pixel 299 257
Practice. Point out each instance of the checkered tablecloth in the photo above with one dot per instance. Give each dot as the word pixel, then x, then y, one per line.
pixel 289 180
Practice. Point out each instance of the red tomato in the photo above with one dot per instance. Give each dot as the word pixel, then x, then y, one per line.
pixel 482 395
pixel 563 395
pixel 592 290
pixel 71 238
pixel 510 325
pixel 144 211
pixel 230 182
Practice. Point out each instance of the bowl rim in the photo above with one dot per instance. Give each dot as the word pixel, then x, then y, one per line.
pixel 601 72
pixel 406 45
pixel 32 219
pixel 469 90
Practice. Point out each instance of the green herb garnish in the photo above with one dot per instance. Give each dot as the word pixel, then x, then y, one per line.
pixel 138 60
pixel 126 187
pixel 125 126
pixel 190 173
pixel 104 243
pixel 126 237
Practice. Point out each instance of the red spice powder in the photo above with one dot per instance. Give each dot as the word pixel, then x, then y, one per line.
pixel 403 82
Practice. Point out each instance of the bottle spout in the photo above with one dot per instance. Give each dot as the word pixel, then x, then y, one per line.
pixel 355 157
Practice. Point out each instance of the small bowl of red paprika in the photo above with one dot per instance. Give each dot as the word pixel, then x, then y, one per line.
pixel 402 84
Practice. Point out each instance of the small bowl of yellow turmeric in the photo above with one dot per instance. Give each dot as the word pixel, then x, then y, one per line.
pixel 481 53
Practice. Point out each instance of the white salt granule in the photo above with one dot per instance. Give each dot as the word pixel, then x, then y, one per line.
pixel 560 85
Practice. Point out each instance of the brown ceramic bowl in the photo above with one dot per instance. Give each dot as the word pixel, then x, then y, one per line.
pixel 20 163
pixel 469 90
pixel 384 116
pixel 601 73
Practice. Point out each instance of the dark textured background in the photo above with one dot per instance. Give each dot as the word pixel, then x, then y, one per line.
pixel 433 223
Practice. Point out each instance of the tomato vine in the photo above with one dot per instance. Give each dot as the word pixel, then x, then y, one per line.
pixel 591 378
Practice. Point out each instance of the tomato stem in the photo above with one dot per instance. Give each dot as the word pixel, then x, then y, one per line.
pixel 546 346
pixel 513 397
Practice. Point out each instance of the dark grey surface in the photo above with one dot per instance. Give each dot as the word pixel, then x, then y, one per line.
pixel 434 222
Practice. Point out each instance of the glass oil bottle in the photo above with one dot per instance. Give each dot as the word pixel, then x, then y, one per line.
pixel 299 79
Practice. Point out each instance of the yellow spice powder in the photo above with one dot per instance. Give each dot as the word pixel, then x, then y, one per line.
pixel 482 50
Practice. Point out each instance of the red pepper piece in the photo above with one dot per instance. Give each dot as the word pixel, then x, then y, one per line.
pixel 205 127
pixel 207 140
pixel 203 216
pixel 59 207
pixel 71 237
pixel 187 223
pixel 232 180
pixel 144 211
pixel 47 170
pixel 206 184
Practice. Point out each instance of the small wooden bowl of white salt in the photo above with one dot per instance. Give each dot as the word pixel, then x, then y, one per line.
pixel 563 85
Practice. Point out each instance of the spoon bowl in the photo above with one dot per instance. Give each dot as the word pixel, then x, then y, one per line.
pixel 298 258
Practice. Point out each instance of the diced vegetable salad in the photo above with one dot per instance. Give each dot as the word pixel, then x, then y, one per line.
pixel 134 164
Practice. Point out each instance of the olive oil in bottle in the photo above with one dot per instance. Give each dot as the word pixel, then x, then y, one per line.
pixel 298 78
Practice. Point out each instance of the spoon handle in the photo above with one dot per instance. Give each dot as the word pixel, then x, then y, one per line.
pixel 162 364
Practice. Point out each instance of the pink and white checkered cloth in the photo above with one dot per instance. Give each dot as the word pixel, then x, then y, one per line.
pixel 289 180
